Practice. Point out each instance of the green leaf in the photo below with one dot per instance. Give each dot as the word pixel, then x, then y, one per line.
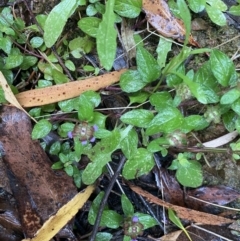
pixel 139 118
pixel 194 122
pixel 86 108
pixel 103 236
pixel 218 4
pixel 57 165
pixel 216 15
pixel 190 174
pixel 127 206
pixel 129 144
pixel 28 61
pixel 175 219
pixel 59 77
pixel 91 96
pixel 106 37
pixel 235 10
pixel 36 42
pixel 159 99
pixel 89 25
pixel 197 6
pixel 91 10
pixel 6 44
pixel 236 106
pixel 13 60
pixel 138 97
pixel 56 21
pixel 164 46
pixel 146 220
pixel 55 148
pixel 41 129
pixel 147 65
pixel 128 8
pixel 131 81
pixel 229 119
pixel 111 219
pixel 141 163
pixel 186 17
pixel 229 97
pixel 70 65
pixel 168 120
pixel 69 170
pixel 223 68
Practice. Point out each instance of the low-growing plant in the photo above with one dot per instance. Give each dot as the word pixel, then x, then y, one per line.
pixel 152 122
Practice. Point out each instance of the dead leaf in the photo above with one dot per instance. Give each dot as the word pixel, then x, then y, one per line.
pixel 159 16
pixel 55 223
pixel 9 96
pixel 220 195
pixel 184 213
pixel 38 190
pixel 52 94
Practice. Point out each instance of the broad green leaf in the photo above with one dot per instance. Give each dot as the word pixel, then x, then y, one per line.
pixel 56 21
pixel 138 97
pixel 103 236
pixel 146 220
pixel 89 25
pixel 36 42
pixel 13 61
pixel 59 77
pixel 68 105
pixel 216 15
pixel 131 81
pixel 190 175
pixel 235 10
pixel 141 163
pixel 147 65
pixel 203 93
pixel 129 144
pixel 41 129
pixel 100 155
pixel 218 4
pixel 127 206
pixel 159 99
pixel 70 65
pixel 223 68
pixel 28 61
pixel 194 122
pixel 139 118
pixel 164 46
pixel 229 119
pixel 111 219
pixel 91 10
pixel 6 44
pixel 106 37
pixel 90 96
pixel 55 148
pixel 128 8
pixel 69 170
pixel 168 120
pixel 229 97
pixel 197 6
pixel 236 106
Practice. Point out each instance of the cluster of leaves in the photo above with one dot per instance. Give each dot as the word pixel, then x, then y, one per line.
pixel 214 85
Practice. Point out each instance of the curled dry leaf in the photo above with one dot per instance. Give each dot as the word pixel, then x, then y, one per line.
pixel 159 16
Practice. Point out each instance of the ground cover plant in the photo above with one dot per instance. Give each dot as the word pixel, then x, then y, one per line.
pixel 156 109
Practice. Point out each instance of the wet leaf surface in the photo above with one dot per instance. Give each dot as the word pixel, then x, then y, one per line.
pixel 38 190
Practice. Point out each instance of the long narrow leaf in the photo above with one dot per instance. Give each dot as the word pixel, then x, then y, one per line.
pixel 106 37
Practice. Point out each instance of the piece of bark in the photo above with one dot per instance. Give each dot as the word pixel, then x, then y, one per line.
pixel 39 191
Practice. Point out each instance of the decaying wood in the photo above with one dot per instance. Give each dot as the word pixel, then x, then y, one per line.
pixel 39 191
pixel 184 213
pixel 160 17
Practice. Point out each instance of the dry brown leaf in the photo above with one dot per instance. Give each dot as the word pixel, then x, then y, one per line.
pixel 159 16
pixel 184 213
pixel 9 96
pixel 52 94
pixel 55 223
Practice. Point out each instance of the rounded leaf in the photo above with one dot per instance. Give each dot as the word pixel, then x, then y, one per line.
pixel 41 129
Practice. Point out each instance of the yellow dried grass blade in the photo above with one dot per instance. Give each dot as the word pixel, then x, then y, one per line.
pixel 55 223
